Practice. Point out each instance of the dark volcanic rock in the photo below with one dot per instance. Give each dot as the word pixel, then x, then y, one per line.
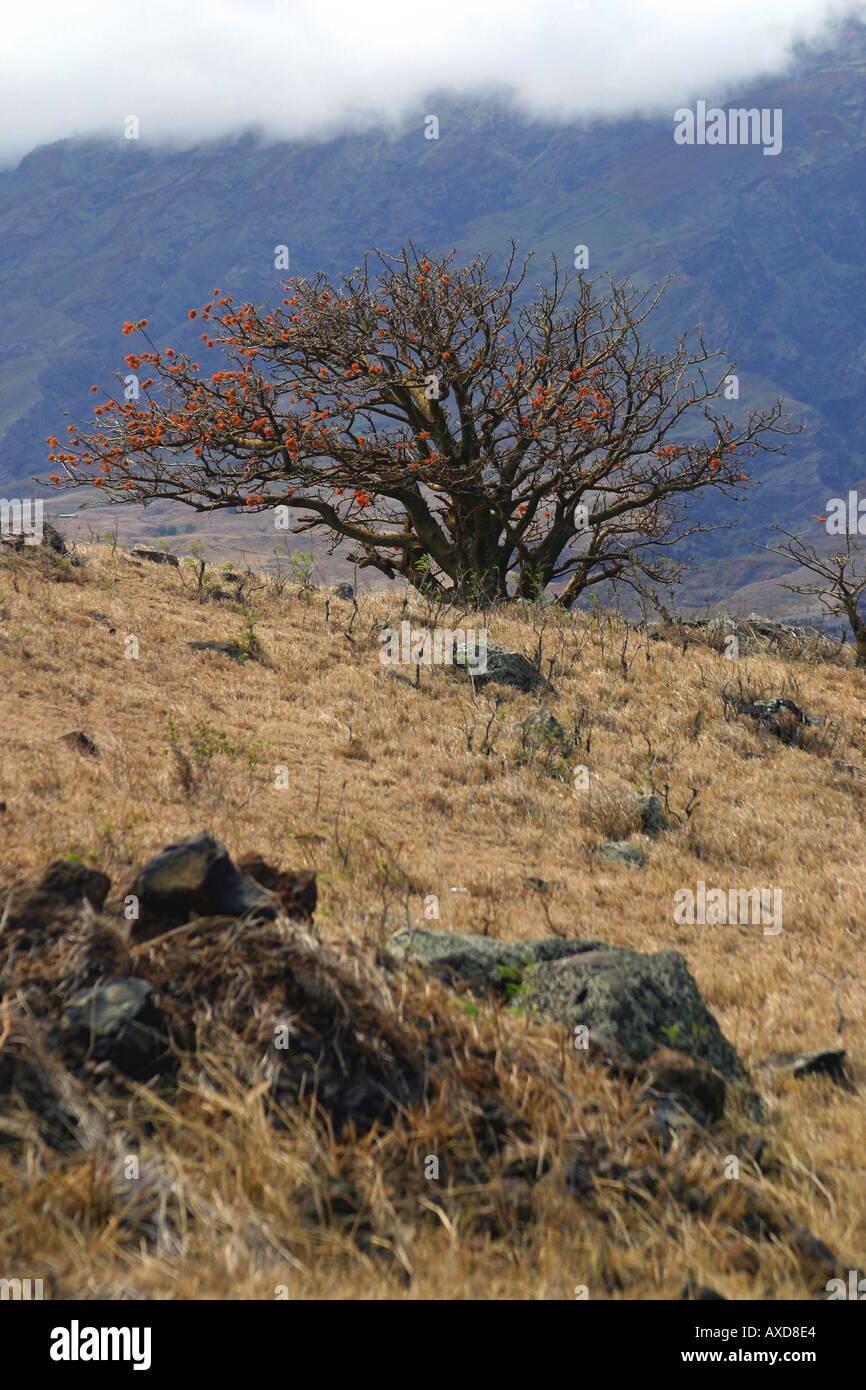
pixel 81 742
pixel 54 903
pixel 50 539
pixel 781 717
pixel 232 649
pixel 295 889
pixel 632 1004
pixel 102 618
pixel 195 878
pixel 828 1062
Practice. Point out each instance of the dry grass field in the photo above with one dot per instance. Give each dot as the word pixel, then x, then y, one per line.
pixel 398 792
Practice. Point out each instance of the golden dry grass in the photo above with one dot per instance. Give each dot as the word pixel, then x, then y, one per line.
pixel 397 793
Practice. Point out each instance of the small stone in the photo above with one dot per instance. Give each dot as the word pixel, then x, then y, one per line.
pixel 101 618
pixel 542 729
pixel 346 591
pixel 81 742
pixel 828 1062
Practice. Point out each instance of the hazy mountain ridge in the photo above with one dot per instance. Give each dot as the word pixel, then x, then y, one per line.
pixel 766 251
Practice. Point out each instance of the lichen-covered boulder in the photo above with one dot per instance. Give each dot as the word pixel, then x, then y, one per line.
pixel 499 665
pixel 542 729
pixel 632 1004
pixel 480 961
pixel 621 852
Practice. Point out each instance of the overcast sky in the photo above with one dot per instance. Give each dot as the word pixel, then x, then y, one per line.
pixel 191 69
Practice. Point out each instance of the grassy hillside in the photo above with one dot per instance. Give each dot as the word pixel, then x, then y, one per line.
pixel 552 1175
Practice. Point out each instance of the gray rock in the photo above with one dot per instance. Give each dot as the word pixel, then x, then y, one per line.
pixel 232 649
pixel 196 877
pixel 768 710
pixel 119 1023
pixel 541 729
pixel 346 591
pixel 621 852
pixel 633 1004
pixel 103 619
pixel 500 665
pixel 652 815
pixel 477 960
pixel 158 557
pixel 779 716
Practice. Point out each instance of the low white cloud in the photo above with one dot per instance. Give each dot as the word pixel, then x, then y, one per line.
pixel 196 69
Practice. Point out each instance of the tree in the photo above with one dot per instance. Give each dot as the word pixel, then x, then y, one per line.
pixel 457 432
pixel 840 580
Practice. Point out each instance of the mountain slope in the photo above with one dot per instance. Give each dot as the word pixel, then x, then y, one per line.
pixel 414 804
